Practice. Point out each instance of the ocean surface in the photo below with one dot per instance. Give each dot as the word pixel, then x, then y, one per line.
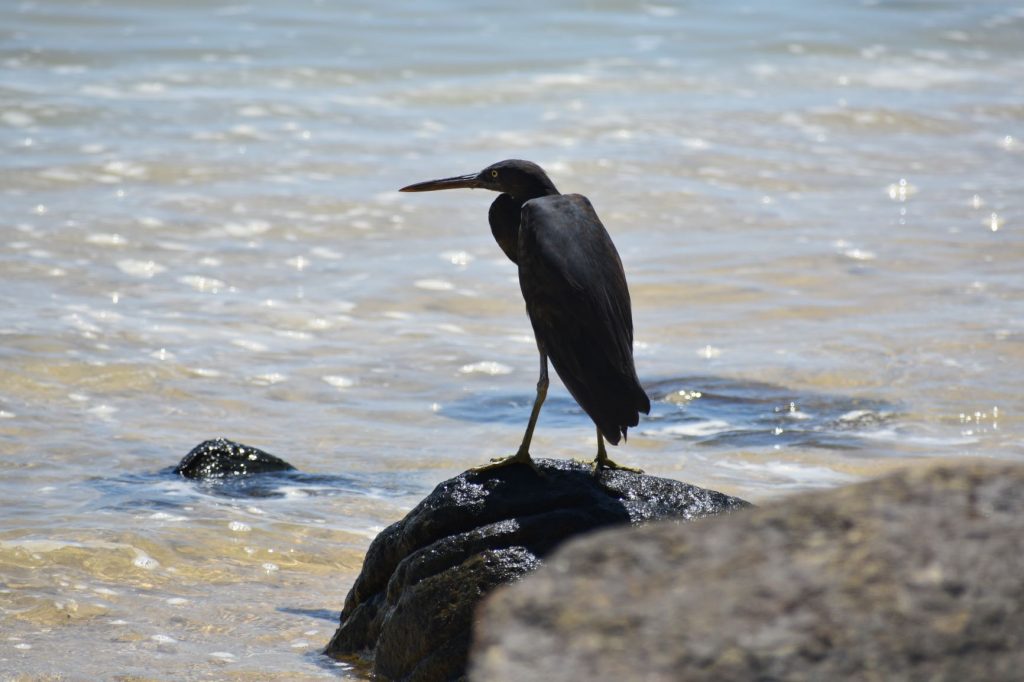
pixel 819 205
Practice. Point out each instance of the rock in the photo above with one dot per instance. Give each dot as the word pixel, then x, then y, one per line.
pixel 918 576
pixel 222 458
pixel 411 608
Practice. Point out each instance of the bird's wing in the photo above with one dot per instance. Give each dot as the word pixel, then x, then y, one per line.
pixel 577 298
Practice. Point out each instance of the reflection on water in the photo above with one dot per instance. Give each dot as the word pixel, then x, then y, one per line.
pixel 818 208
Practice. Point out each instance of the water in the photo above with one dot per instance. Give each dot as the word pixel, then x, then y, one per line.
pixel 818 206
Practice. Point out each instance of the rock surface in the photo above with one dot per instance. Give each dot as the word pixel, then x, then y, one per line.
pixel 222 458
pixel 917 576
pixel 411 609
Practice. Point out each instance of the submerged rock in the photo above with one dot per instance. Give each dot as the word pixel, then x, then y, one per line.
pixel 411 609
pixel 917 576
pixel 222 458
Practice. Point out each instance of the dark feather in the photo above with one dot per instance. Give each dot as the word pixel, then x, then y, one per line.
pixel 504 219
pixel 578 302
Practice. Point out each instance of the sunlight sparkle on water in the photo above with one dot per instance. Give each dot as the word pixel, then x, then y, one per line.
pixel 709 352
pixel 901 191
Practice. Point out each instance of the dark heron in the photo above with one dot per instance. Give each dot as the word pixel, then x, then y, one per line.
pixel 576 296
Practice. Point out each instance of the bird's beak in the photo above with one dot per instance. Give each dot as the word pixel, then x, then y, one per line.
pixel 458 182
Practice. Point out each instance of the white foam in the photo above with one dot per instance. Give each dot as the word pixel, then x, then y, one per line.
pixel 434 284
pixel 144 561
pixel 268 379
pixel 164 516
pixel 250 228
pixel 457 257
pixel 338 381
pixel 914 77
pixel 144 269
pixel 325 253
pixel 203 284
pixel 106 239
pixel 798 474
pixel 17 119
pixel 699 429
pixel 124 169
pixel 247 344
pixel 488 367
pixel 104 412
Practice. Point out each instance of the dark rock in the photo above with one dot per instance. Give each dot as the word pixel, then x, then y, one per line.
pixel 917 576
pixel 222 458
pixel 411 608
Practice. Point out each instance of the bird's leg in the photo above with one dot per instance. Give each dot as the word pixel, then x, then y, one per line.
pixel 542 393
pixel 522 455
pixel 602 461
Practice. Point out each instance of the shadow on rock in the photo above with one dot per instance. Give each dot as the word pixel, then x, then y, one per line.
pixel 411 609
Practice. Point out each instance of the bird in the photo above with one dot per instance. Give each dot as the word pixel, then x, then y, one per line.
pixel 576 296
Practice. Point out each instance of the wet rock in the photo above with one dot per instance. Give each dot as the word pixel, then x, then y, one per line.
pixel 411 608
pixel 912 577
pixel 222 458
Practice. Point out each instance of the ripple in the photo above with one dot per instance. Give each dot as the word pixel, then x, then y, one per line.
pixel 730 413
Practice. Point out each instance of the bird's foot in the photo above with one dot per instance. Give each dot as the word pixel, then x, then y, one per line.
pixel 606 463
pixel 521 457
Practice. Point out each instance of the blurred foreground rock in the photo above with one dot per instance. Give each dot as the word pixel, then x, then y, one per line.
pixel 918 576
pixel 411 608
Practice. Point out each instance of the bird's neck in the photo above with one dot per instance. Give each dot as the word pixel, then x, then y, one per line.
pixel 505 211
pixel 504 220
pixel 538 187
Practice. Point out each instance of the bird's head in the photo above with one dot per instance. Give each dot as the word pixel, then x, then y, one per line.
pixel 524 180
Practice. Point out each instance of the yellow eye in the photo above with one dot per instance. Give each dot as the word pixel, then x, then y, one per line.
pixel 494 173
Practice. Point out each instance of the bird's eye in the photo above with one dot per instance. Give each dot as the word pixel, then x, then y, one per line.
pixel 494 173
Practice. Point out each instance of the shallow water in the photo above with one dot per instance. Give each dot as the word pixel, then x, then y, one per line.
pixel 818 206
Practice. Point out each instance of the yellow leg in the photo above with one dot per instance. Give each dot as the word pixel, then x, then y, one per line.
pixel 602 461
pixel 522 455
